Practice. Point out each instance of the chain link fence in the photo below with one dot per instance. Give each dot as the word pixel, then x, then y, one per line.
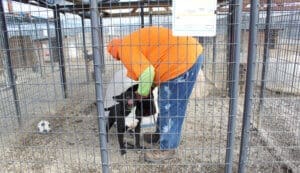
pixel 241 117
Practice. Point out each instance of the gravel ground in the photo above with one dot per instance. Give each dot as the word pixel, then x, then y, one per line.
pixel 73 144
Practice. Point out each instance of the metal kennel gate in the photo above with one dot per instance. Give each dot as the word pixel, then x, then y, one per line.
pixel 242 116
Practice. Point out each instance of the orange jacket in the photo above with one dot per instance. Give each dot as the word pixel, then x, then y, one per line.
pixel 169 55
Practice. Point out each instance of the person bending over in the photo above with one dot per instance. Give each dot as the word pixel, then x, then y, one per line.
pixel 154 57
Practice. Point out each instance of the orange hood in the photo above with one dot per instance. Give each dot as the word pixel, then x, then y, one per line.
pixel 113 47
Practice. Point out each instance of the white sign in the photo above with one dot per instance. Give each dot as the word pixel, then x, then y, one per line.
pixel 194 17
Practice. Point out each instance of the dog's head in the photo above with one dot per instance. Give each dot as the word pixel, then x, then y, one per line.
pixel 127 97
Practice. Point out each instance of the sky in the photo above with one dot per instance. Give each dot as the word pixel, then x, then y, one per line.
pixel 39 11
pixel 48 13
pixel 34 10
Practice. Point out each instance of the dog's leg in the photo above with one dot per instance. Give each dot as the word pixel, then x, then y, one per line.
pixel 121 143
pixel 110 122
pixel 137 134
pixel 138 115
pixel 121 131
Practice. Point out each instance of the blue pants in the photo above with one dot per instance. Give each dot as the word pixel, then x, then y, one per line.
pixel 172 100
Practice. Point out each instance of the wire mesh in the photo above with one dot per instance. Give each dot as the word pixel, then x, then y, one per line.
pixel 275 119
pixel 73 144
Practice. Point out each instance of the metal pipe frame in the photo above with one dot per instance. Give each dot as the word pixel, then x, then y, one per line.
pixel 50 47
pixel 42 3
pixel 101 36
pixel 249 86
pixel 61 61
pixel 237 16
pixel 98 85
pixel 39 52
pixel 117 5
pixel 230 46
pixel 265 60
pixel 142 15
pixel 10 71
pixel 23 54
pixel 150 19
pixel 85 55
pixel 295 63
pixel 214 58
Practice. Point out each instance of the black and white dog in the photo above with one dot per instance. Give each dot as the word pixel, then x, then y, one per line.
pixel 126 101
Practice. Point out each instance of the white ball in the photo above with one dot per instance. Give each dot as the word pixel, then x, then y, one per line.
pixel 44 126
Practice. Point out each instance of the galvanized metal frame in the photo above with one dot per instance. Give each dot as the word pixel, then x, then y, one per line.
pixel 96 39
pixel 10 71
pixel 59 38
pixel 265 59
pixel 234 46
pixel 249 86
pixel 235 52
pixel 85 53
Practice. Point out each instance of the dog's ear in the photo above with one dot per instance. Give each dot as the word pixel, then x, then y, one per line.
pixel 133 88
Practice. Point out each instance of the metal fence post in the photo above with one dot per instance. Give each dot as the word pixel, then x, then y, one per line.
pixel 249 85
pixel 10 72
pixel 23 54
pixel 61 61
pixel 214 58
pixel 98 84
pixel 237 15
pixel 142 15
pixel 85 55
pixel 265 60
pixel 295 62
pixel 101 41
pixel 230 45
pixel 39 52
pixel 50 48
pixel 150 17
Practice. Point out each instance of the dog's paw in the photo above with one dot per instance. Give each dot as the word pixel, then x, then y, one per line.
pixel 129 145
pixel 131 132
pixel 123 151
pixel 141 147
